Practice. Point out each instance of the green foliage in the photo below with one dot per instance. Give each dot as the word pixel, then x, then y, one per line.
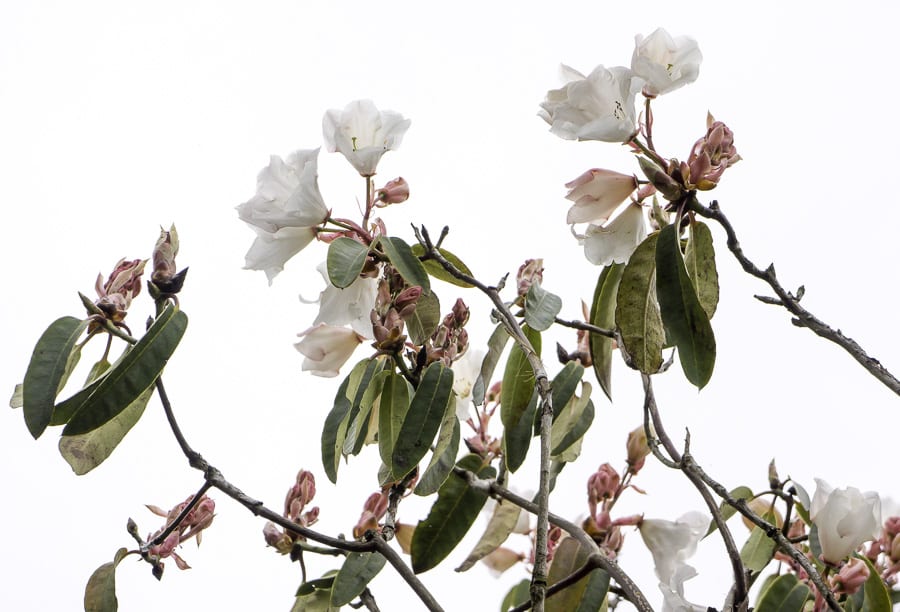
pixel 502 522
pixel 423 419
pixel 450 517
pixel 573 422
pixel 541 307
pixel 437 270
pixel 700 260
pixel 345 261
pixel 405 262
pixel 517 439
pixel 518 381
pixel 603 311
pixel 637 311
pixel 100 592
pixel 564 385
pixel 424 319
pixel 759 548
pixel 395 394
pixel 873 597
pixel 315 595
pixel 686 323
pixel 516 596
pixel 586 595
pixel 444 454
pixel 728 511
pixel 496 344
pixel 783 594
pixel 132 375
pixel 49 368
pixel 353 577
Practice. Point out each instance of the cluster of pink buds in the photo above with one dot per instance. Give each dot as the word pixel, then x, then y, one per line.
pixel 395 302
pixel 297 499
pixel 603 490
pixel 123 285
pixel 482 443
pixel 884 552
pixel 394 192
pixel 710 157
pixel 199 518
pixel 373 511
pixel 450 340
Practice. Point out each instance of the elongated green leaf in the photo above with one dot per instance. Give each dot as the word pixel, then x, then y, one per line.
pixel 100 592
pixel 437 270
pixel 64 410
pixel 728 511
pixel 585 595
pixel 564 385
pixel 503 521
pixel 423 419
pixel 518 381
pixel 425 319
pixel 361 377
pixel 335 430
pixel 450 517
pixel 637 312
pixel 516 596
pixel 346 258
pixel 683 316
pixel 541 307
pixel 84 452
pixel 358 428
pixel 406 263
pixel 318 584
pixel 391 412
pixel 496 344
pixel 17 398
pixel 133 375
pixel 700 260
pixel 517 439
pixel 444 455
pixel 603 313
pixel 573 422
pixel 784 594
pixel 353 577
pixel 759 548
pixel 47 371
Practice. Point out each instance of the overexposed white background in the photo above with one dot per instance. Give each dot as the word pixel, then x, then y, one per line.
pixel 116 118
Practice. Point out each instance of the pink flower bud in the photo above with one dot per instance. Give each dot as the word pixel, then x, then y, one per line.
pixel 851 577
pixel 395 192
pixel 637 449
pixel 710 156
pixel 530 272
pixel 123 285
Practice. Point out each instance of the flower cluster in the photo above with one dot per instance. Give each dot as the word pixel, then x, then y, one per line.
pixel 192 525
pixel 298 497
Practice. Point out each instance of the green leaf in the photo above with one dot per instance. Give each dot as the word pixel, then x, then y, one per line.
pixel 346 258
pixel 450 517
pixel 496 344
pixel 318 584
pixel 685 320
pixel 516 596
pixel 541 307
pixel 573 422
pixel 700 260
pixel 603 312
pixel 48 370
pixel 586 595
pixel 133 375
pixel 17 398
pixel 423 419
pixel 437 270
pixel 444 455
pixel 637 311
pixel 405 262
pixel 759 548
pixel 517 439
pixel 518 381
pixel 358 427
pixel 353 577
pixel 425 319
pixel 391 410
pixel 100 592
pixel 728 511
pixel 784 594
pixel 564 385
pixel 84 452
pixel 502 522
pixel 335 430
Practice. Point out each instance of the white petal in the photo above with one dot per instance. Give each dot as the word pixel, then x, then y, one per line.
pixel 616 241
pixel 269 252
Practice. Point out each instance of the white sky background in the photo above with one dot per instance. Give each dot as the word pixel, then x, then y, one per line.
pixel 116 119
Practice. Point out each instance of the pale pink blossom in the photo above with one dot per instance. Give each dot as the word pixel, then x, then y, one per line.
pixel 327 348
pixel 597 193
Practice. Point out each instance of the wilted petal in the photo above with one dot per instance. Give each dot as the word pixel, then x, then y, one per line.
pixel 616 241
pixel 327 348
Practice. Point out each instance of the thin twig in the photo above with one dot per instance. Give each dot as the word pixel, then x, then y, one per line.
pixel 600 331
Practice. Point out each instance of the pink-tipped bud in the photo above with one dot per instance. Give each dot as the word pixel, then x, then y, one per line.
pixel 710 157
pixel 851 577
pixel 394 192
pixel 602 485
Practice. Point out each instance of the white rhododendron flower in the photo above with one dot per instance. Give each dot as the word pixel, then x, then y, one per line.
pixel 284 212
pixel 466 370
pixel 617 240
pixel 363 134
pixel 349 306
pixel 327 348
pixel 665 63
pixel 671 544
pixel 599 106
pixel 845 518
pixel 597 193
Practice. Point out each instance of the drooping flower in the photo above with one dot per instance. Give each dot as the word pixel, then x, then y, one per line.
pixel 362 133
pixel 845 518
pixel 599 106
pixel 665 63
pixel 671 544
pixel 349 306
pixel 466 370
pixel 615 241
pixel 284 212
pixel 327 348
pixel 395 191
pixel 597 193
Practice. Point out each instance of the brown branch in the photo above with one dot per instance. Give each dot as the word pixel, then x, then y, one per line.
pixel 600 331
pixel 804 318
